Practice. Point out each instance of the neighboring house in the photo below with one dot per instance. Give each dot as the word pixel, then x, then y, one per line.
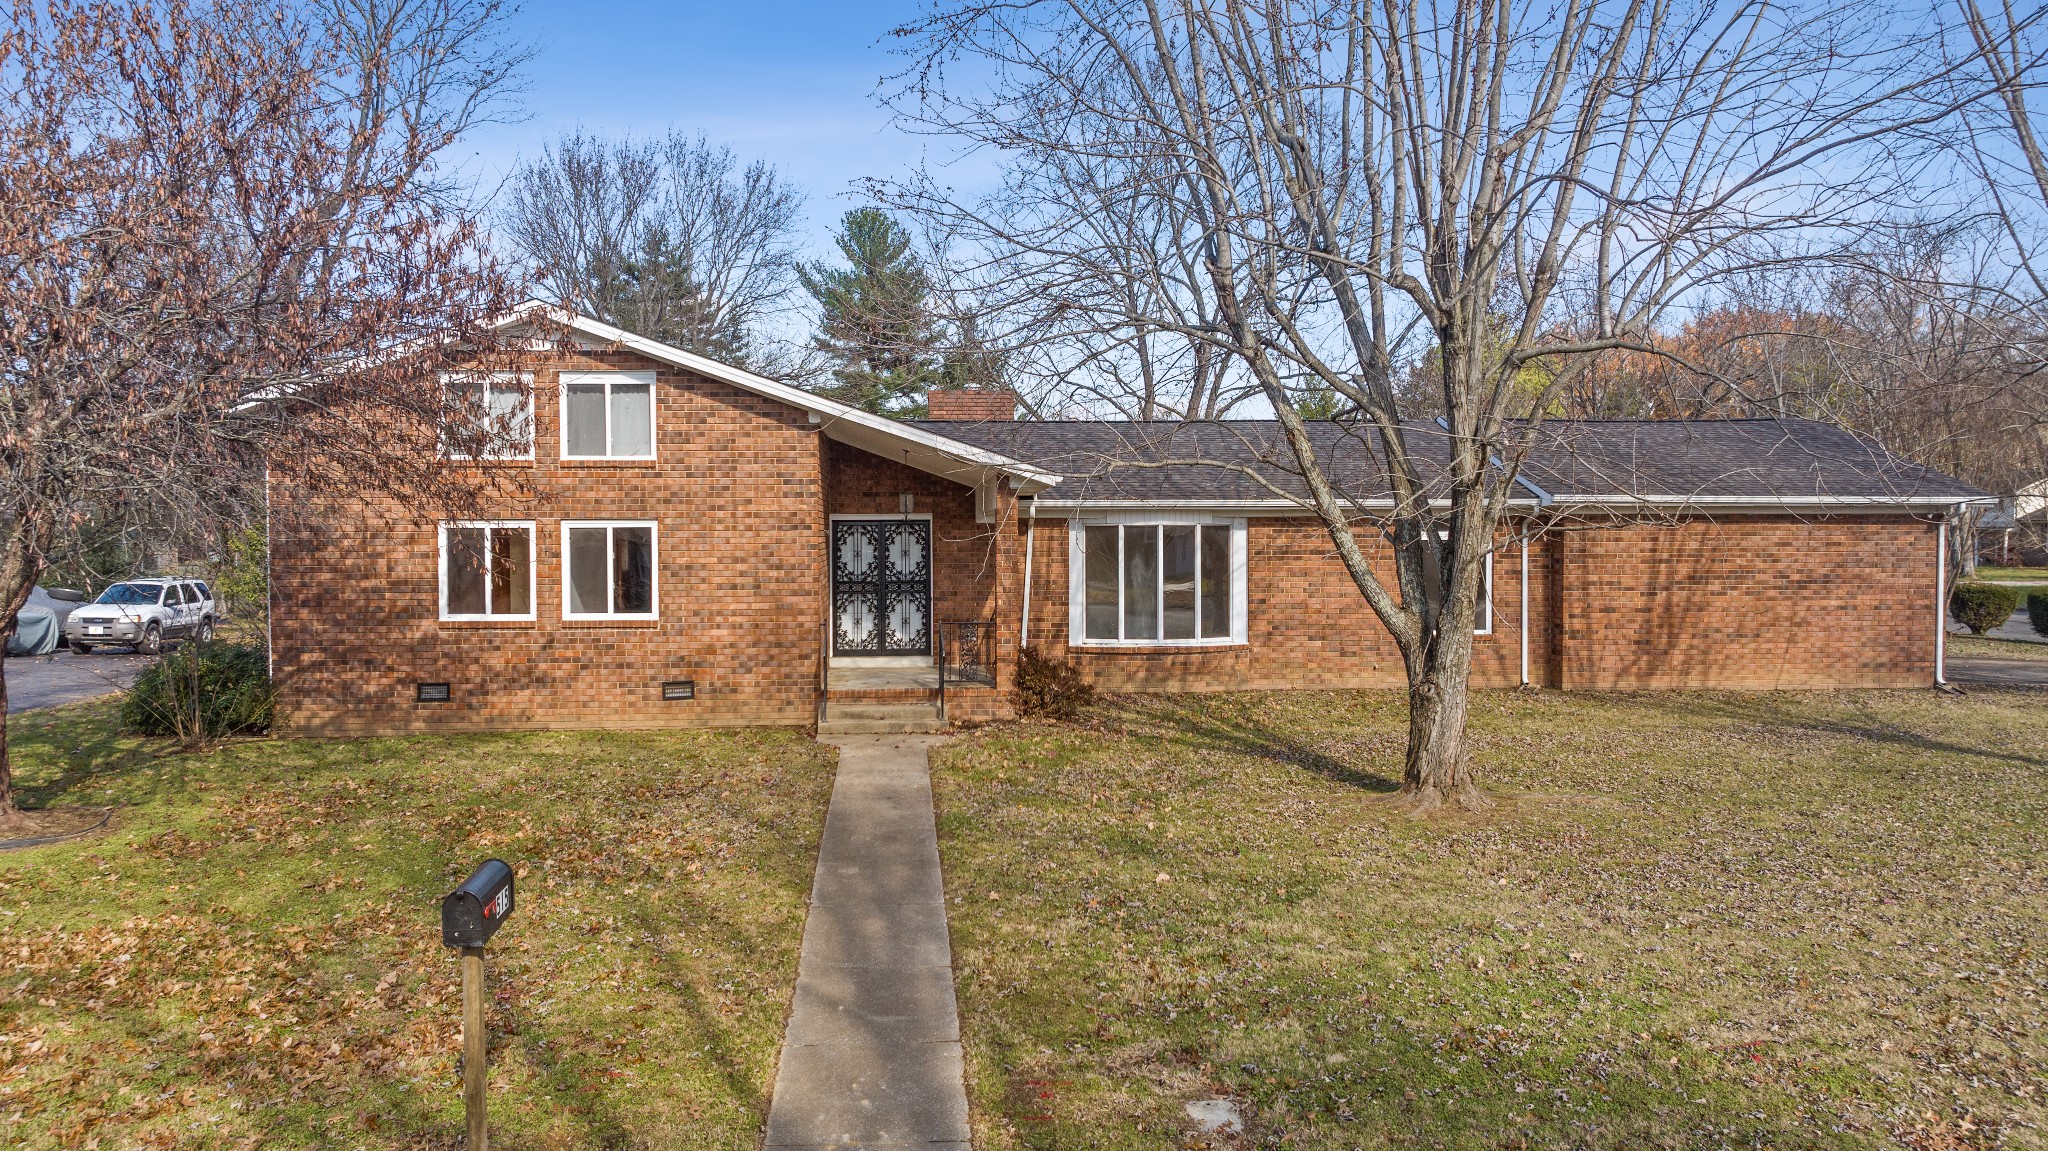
pixel 706 547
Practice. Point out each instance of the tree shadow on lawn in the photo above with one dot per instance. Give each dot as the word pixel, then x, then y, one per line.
pixel 1209 723
pixel 1773 710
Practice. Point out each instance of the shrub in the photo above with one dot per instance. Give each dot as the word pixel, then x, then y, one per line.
pixel 2037 612
pixel 233 687
pixel 1982 606
pixel 1050 688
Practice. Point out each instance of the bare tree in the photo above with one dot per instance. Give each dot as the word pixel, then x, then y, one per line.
pixel 204 212
pixel 1514 189
pixel 671 238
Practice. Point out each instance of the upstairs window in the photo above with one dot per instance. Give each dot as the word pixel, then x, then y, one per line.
pixel 489 415
pixel 486 571
pixel 1158 584
pixel 607 415
pixel 608 570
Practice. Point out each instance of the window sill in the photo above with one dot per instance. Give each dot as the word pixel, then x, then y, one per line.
pixel 1156 647
pixel 496 462
pixel 496 622
pixel 606 462
pixel 628 621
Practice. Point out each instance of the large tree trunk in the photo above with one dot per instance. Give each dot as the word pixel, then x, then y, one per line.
pixel 1437 772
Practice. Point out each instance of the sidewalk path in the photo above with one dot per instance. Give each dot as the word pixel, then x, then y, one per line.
pixel 872 1057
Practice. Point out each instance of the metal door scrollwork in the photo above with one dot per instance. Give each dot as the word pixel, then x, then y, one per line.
pixel 881 587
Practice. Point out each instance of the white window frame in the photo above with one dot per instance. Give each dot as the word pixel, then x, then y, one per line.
pixel 1077 580
pixel 523 379
pixel 607 379
pixel 654 588
pixel 532 570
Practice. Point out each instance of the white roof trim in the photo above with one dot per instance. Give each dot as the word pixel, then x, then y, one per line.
pixel 839 421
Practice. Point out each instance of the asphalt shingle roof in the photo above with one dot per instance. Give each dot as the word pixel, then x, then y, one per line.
pixel 1764 460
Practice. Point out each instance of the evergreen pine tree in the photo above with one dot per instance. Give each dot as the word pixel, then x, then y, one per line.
pixel 877 324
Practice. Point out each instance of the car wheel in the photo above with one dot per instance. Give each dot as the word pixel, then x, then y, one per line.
pixel 81 648
pixel 152 642
pixel 205 632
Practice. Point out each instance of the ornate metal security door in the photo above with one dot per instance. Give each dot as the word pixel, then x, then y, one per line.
pixel 881 587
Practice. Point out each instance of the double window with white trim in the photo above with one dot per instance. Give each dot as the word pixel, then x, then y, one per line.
pixel 487 570
pixel 487 415
pixel 609 569
pixel 1156 584
pixel 607 415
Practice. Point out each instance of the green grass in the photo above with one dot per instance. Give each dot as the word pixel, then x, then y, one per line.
pixel 2019 574
pixel 1694 921
pixel 251 956
pixel 1984 646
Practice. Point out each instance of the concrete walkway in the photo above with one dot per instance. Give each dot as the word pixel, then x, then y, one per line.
pixel 872 1057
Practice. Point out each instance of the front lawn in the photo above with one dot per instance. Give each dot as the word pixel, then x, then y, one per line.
pixel 1990 647
pixel 1694 920
pixel 251 957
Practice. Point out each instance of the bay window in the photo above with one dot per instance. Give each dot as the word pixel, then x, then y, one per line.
pixel 486 571
pixel 608 570
pixel 607 415
pixel 1157 583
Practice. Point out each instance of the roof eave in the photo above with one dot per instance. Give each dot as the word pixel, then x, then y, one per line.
pixel 926 451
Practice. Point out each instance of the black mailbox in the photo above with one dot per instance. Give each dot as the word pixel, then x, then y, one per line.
pixel 472 913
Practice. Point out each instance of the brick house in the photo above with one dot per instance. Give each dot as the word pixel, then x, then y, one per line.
pixel 699 546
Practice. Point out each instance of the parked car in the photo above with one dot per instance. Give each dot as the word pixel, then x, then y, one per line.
pixel 143 614
pixel 40 625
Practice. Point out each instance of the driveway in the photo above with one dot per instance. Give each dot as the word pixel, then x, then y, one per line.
pixel 61 678
pixel 1998 672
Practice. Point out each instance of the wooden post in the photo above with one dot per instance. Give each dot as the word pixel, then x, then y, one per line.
pixel 474 1047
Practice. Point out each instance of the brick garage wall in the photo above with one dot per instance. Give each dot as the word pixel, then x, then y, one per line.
pixel 1307 624
pixel 1749 602
pixel 974 565
pixel 737 490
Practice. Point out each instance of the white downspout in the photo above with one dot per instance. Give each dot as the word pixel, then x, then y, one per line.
pixel 1024 629
pixel 1524 577
pixel 1941 604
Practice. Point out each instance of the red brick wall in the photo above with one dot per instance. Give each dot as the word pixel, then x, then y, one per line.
pixel 737 491
pixel 1749 602
pixel 1739 602
pixel 1307 624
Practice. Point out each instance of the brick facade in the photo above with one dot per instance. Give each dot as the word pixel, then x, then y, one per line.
pixel 1749 601
pixel 743 488
pixel 971 405
pixel 737 491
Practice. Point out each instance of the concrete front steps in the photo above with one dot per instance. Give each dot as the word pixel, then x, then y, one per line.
pixel 869 718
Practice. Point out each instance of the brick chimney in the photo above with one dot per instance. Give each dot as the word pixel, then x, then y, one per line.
pixel 971 406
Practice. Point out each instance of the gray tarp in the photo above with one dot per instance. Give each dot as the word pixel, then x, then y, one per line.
pixel 35 632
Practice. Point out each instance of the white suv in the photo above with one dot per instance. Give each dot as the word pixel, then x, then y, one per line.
pixel 143 613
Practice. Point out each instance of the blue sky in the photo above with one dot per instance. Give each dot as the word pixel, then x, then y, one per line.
pixel 791 83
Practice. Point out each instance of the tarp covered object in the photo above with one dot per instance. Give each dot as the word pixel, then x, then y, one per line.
pixel 35 632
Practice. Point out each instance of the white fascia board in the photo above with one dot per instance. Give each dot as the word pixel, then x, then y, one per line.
pixel 1763 503
pixel 829 413
pixel 1223 507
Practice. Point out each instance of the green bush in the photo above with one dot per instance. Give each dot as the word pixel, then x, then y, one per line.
pixel 1982 606
pixel 2037 612
pixel 1050 688
pixel 233 688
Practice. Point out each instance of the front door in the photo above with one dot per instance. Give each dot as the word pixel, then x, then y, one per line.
pixel 881 587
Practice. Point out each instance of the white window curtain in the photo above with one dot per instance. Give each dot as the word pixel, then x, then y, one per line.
pixel 608 415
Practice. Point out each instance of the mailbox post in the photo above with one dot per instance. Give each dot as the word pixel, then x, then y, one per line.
pixel 470 915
